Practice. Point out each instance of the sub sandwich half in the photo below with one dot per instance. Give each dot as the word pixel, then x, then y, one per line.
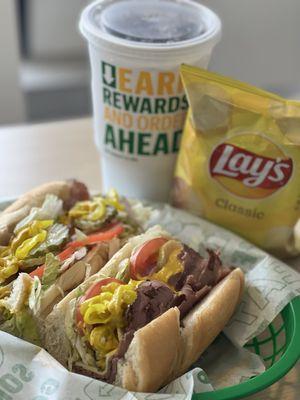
pixel 52 239
pixel 147 315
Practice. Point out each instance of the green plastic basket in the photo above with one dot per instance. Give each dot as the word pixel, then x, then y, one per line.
pixel 278 345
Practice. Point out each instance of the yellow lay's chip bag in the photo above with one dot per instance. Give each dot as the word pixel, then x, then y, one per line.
pixel 239 161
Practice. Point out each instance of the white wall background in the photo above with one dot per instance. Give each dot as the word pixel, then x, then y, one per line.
pixel 261 43
pixel 53 28
pixel 261 38
pixel 11 97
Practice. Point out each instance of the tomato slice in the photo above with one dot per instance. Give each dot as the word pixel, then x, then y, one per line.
pixel 94 238
pixel 144 258
pixel 93 291
pixel 39 271
pixel 98 237
pixel 66 253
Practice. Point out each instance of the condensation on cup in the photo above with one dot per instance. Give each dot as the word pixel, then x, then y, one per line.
pixel 136 48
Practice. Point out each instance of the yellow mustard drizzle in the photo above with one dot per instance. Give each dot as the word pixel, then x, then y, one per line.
pixel 172 267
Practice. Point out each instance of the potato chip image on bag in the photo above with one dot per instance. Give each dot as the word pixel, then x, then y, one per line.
pixel 239 161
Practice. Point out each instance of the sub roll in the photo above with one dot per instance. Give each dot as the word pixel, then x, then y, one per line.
pixel 52 239
pixel 147 315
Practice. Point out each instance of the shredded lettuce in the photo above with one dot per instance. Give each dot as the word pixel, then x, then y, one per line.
pixel 123 271
pixel 79 235
pixel 5 291
pixel 52 208
pixel 26 243
pixel 16 309
pixel 57 234
pixel 5 315
pixel 32 262
pixel 71 333
pixel 79 349
pixel 141 213
pixel 89 226
pixel 52 265
pixel 23 325
pixel 34 298
pixel 18 296
pixel 79 292
pixel 76 256
pixel 130 229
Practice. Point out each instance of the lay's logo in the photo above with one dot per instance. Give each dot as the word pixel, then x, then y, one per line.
pixel 249 173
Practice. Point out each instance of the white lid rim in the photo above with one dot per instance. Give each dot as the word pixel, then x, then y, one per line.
pixel 169 55
pixel 101 38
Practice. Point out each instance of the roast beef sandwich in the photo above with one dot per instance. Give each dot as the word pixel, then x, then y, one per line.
pixel 147 315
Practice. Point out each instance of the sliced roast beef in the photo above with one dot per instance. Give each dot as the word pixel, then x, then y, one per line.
pixel 153 299
pixel 78 192
pixel 198 277
pixel 205 271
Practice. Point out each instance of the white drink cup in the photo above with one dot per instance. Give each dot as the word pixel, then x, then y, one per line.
pixel 136 48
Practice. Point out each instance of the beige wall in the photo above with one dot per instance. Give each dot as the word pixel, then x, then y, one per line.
pixel 261 42
pixel 53 28
pixel 11 98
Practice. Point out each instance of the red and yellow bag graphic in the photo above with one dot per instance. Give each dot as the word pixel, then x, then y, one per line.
pixel 239 161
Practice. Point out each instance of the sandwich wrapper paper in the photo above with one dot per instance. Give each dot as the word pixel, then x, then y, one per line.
pixel 29 372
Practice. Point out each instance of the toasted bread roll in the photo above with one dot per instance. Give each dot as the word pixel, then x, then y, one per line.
pixel 152 357
pixel 69 191
pixel 53 331
pixel 8 221
pixel 162 350
pixel 202 325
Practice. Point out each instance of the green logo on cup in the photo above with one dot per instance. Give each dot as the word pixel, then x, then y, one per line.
pixel 109 75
